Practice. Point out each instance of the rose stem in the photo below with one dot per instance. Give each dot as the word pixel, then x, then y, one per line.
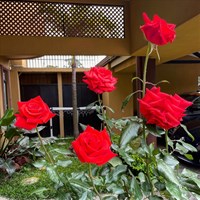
pixel 144 83
pixel 91 177
pixel 166 140
pixel 143 94
pixel 145 68
pixel 43 146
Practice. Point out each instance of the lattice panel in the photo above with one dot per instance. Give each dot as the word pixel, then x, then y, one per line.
pixel 20 18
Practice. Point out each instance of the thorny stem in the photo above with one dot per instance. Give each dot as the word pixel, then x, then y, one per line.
pixel 93 185
pixel 44 148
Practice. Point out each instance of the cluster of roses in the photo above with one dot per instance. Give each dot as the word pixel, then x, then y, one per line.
pixel 161 109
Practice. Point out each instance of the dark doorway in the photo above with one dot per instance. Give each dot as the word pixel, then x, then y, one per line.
pixel 45 85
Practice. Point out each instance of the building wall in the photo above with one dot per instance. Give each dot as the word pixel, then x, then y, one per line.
pixel 4 64
pixel 182 77
pixel 115 98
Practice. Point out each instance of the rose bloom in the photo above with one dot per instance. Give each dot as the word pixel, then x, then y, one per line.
pixel 32 112
pixel 93 146
pixel 158 31
pixel 164 110
pixel 100 80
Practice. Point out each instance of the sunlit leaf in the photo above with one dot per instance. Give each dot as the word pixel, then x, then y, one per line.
pixel 189 156
pixel 64 163
pixel 52 174
pixel 189 147
pixel 174 190
pixel 136 189
pixel 167 171
pixel 115 161
pixel 129 133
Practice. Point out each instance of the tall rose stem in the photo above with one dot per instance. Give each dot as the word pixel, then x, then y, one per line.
pixel 144 131
pixel 44 148
pixel 144 81
pixel 166 141
pixel 145 68
pixel 93 185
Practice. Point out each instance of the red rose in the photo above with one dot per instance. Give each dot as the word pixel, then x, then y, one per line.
pixel 158 31
pixel 164 110
pixel 99 80
pixel 32 112
pixel 93 146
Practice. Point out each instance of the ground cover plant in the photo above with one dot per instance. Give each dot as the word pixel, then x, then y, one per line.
pixel 31 181
pixel 108 166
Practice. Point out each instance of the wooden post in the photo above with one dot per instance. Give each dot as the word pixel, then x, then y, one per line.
pixel 60 104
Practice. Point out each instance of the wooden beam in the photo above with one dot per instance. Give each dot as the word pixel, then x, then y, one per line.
pixel 127 64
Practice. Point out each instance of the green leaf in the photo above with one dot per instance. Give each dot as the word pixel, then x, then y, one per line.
pixel 155 197
pixel 84 196
pixel 188 156
pixel 119 170
pixel 79 184
pixel 64 163
pixel 40 164
pixel 163 81
pixel 155 131
pixel 186 130
pixel 110 197
pixel 129 133
pixel 174 190
pixel 171 161
pixel 109 108
pixel 189 147
pixel 137 78
pixel 127 99
pixel 135 189
pixel 192 176
pixel 115 161
pixel 8 118
pixel 53 175
pixel 8 165
pixel 115 189
pixel 83 126
pixel 63 151
pixel 181 149
pixel 11 132
pixel 167 172
pixel 40 192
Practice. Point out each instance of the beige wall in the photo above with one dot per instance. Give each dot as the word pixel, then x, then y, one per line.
pixel 114 99
pixel 3 63
pixel 182 77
